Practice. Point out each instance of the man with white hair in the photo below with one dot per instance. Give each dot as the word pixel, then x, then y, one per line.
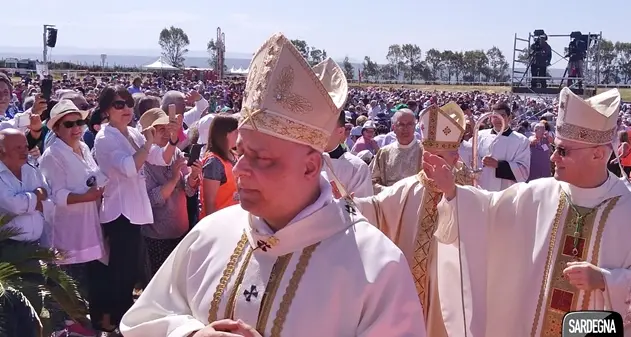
pixel 401 159
pixel 554 245
pixel 256 269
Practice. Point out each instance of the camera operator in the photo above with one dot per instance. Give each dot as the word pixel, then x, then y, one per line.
pixel 576 56
pixel 540 57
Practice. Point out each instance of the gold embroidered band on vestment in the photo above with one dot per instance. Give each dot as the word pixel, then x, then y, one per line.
pixel 276 276
pixel 559 295
pixel 424 242
pixel 225 278
pixel 268 299
pixel 290 292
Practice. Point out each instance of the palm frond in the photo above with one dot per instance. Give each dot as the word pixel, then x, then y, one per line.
pixel 65 292
pixel 7 233
pixel 5 219
pixel 7 271
pixel 26 251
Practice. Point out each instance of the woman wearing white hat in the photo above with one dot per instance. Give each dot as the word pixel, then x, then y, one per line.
pixel 76 189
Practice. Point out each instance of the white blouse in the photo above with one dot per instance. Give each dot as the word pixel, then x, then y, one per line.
pixel 75 228
pixel 126 191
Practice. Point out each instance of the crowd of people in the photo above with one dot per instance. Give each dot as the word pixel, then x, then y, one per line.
pixel 147 183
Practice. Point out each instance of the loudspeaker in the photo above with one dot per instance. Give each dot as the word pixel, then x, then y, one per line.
pixel 51 39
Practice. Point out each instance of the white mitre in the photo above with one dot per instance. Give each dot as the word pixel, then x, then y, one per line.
pixel 592 121
pixel 286 98
pixel 442 128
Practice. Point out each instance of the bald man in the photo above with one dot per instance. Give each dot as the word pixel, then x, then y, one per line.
pixel 400 159
pixel 23 191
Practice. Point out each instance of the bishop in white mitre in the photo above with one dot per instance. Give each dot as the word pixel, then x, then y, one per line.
pixel 406 211
pixel 290 260
pixel 555 244
pixel 503 155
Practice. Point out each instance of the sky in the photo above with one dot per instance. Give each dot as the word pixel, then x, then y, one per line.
pixel 353 28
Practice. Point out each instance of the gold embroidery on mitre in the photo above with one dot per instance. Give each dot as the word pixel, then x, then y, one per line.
pixel 283 126
pixel 432 144
pixel 290 101
pixel 581 134
pixel 446 130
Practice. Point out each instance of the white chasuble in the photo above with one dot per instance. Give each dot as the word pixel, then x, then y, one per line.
pixel 530 232
pixel 406 212
pixel 327 274
pixel 511 150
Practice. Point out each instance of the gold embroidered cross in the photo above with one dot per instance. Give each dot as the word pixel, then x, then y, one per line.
pixel 249 115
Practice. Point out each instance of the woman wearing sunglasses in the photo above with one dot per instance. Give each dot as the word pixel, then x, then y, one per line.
pixel 121 152
pixel 75 228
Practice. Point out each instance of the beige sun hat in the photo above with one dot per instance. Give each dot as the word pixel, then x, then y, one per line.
pixel 153 117
pixel 62 108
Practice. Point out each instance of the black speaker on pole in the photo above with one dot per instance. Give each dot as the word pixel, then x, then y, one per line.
pixel 51 39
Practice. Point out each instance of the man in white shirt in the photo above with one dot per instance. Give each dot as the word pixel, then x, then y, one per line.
pixel 23 190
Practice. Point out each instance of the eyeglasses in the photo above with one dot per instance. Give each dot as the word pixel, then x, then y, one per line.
pixel 405 125
pixel 563 152
pixel 71 124
pixel 120 105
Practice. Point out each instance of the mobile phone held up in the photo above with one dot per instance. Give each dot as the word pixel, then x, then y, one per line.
pixel 47 88
pixel 172 111
pixel 196 151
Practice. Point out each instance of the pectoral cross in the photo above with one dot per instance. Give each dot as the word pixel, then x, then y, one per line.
pixel 350 209
pixel 263 245
pixel 577 233
pixel 252 292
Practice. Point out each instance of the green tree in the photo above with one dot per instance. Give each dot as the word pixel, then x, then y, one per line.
pixel 497 65
pixel 623 60
pixel 435 61
pixel 311 54
pixel 349 70
pixel 395 59
pixel 211 48
pixel 26 271
pixel 412 58
pixel 370 70
pixel 173 42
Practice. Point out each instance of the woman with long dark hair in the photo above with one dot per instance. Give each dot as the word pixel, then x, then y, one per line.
pixel 219 188
pixel 121 152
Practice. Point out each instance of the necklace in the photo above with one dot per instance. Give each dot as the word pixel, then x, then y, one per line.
pixel 580 221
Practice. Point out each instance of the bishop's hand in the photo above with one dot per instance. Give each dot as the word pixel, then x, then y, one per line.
pixel 584 276
pixel 437 170
pixel 227 328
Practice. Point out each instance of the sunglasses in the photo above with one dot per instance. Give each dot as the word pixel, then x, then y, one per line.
pixel 71 124
pixel 120 105
pixel 564 152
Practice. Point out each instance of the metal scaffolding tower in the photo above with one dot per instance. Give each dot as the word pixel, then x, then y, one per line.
pixel 521 73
